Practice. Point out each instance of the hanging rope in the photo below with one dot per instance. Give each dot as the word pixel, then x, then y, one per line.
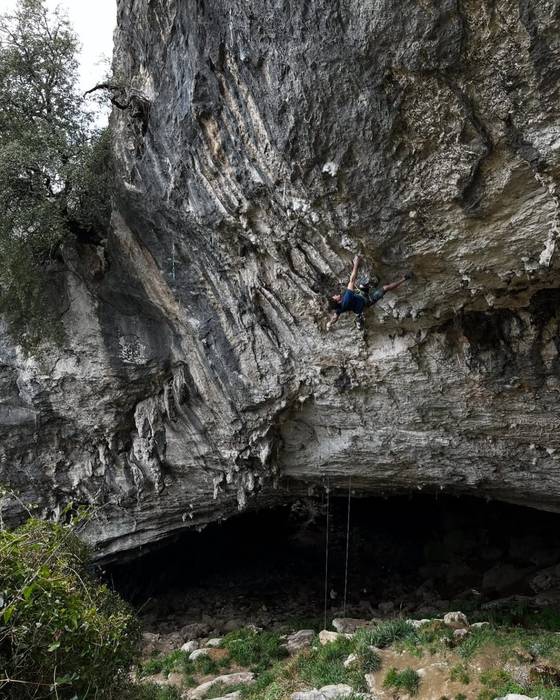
pixel 347 543
pixel 327 489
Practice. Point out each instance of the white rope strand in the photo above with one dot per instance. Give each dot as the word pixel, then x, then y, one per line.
pixel 347 543
pixel 327 558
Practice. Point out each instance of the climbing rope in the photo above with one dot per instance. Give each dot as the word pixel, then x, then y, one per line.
pixel 347 543
pixel 327 491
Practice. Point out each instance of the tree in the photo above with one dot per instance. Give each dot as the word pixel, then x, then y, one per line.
pixel 49 148
pixel 63 634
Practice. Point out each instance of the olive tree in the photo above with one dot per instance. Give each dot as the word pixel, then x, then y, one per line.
pixel 54 165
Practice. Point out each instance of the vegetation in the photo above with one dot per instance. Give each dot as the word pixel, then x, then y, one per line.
pixel 62 634
pixel 407 680
pixel 278 678
pixel 150 691
pixel 386 633
pixel 54 166
pixel 460 673
pixel 256 651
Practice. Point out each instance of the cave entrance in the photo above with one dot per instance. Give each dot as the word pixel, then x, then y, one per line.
pixel 413 555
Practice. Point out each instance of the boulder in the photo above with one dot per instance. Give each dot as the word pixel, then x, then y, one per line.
pixel 214 642
pixel 326 636
pixel 149 643
pixel 503 578
pixel 349 625
pixel 233 625
pixel 229 679
pixel 545 579
pixel 456 620
pixel 189 647
pixel 386 607
pixel 460 634
pixel 420 623
pixel 328 692
pixel 194 630
pixel 544 674
pixel 299 640
pixel 175 679
pixel 197 653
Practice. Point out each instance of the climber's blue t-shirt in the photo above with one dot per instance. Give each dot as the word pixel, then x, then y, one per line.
pixel 351 301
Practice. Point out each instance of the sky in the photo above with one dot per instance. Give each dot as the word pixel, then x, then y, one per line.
pixel 94 23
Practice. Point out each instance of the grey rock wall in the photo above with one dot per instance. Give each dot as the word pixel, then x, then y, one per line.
pixel 266 143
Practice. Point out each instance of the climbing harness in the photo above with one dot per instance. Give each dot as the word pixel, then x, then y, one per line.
pixel 347 543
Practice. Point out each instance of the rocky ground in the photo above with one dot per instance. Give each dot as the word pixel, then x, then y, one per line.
pixel 499 565
pixel 443 658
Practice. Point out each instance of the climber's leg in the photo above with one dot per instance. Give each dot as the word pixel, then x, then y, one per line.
pixel 352 280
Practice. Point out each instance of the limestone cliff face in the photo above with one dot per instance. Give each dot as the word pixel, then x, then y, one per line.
pixel 267 142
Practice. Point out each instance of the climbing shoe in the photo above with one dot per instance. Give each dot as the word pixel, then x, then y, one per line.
pixel 360 322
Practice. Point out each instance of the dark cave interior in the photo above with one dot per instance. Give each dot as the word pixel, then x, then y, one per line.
pixel 407 555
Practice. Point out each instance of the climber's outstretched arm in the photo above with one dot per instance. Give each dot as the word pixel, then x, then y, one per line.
pixel 395 285
pixel 352 280
pixel 333 319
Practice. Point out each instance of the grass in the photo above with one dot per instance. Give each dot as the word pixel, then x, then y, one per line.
pixel 257 651
pixel 175 661
pixel 278 677
pixel 150 691
pixel 178 662
pixel 386 633
pixel 460 674
pixel 218 690
pixel 406 679
pixel 368 660
pixel 539 643
pixel 498 683
pixel 324 665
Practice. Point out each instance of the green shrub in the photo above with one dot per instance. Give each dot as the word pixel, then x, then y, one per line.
pixel 386 633
pixel 62 634
pixel 459 673
pixel 369 661
pixel 407 680
pixel 218 690
pixel 498 683
pixel 174 661
pixel 254 650
pixel 324 665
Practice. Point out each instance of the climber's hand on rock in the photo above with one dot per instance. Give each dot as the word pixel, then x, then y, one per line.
pixel 407 275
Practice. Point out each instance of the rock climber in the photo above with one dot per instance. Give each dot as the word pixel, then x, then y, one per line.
pixel 358 298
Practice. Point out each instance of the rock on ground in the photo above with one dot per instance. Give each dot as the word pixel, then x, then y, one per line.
pixel 349 625
pixel 299 640
pixel 328 692
pixel 228 679
pixel 456 620
pixel 326 636
pixel 198 653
